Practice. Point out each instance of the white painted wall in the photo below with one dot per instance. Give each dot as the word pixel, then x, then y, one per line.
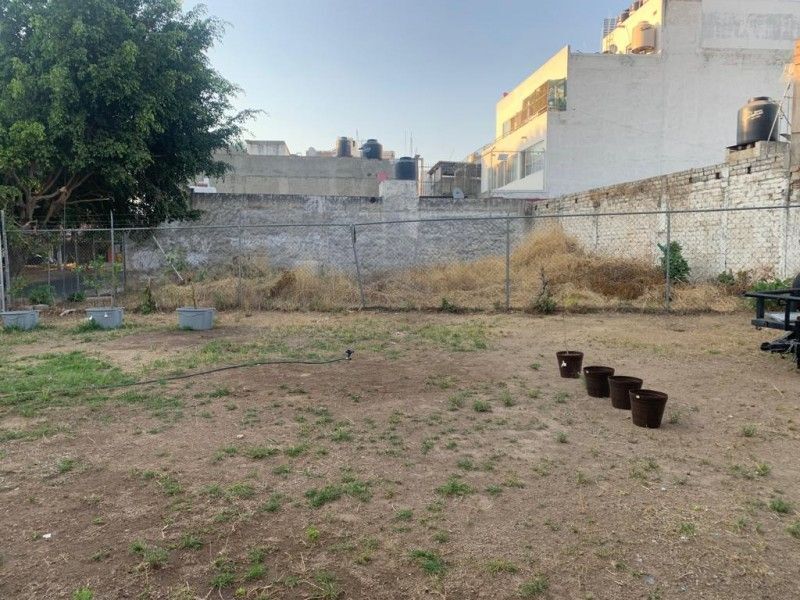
pixel 638 116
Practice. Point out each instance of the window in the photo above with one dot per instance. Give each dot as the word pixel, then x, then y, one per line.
pixel 557 95
pixel 513 168
pixel 533 159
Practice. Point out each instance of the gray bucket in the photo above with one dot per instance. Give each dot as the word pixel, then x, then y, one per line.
pixel 20 319
pixel 196 319
pixel 106 318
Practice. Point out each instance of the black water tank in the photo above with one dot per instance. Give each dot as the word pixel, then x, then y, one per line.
pixel 405 169
pixel 372 150
pixel 758 121
pixel 343 147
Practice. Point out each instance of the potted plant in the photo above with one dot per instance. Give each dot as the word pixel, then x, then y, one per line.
pixel 195 318
pixel 95 277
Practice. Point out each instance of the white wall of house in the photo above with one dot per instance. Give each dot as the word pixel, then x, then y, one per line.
pixel 637 116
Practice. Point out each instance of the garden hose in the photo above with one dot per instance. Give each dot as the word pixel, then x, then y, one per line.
pixel 348 355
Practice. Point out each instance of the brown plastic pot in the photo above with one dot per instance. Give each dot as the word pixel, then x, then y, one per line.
pixel 647 408
pixel 569 363
pixel 597 381
pixel 620 387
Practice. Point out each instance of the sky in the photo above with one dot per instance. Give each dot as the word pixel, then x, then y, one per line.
pixel 427 70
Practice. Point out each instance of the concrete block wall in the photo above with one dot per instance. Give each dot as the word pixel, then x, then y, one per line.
pixel 314 176
pixel 316 231
pixel 765 242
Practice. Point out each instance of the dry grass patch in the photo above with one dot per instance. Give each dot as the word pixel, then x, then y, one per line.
pixel 577 280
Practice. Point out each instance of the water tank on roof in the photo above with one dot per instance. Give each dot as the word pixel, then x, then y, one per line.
pixel 758 121
pixel 405 169
pixel 343 147
pixel 624 16
pixel 643 39
pixel 372 150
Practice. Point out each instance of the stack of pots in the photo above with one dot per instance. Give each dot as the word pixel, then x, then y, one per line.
pixel 626 393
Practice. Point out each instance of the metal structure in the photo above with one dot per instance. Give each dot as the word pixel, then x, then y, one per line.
pixel 786 319
pixel 3 261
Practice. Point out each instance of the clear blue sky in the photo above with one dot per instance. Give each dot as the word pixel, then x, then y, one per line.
pixel 435 68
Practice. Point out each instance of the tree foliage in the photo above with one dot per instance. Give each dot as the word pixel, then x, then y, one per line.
pixel 108 105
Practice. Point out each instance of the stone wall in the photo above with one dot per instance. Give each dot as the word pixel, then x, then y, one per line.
pixel 317 231
pixel 767 242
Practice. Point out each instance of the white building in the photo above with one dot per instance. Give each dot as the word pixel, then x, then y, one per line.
pixel 662 96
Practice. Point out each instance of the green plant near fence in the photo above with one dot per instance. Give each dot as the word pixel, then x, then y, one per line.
pixel 673 262
pixel 42 294
pixel 98 274
pixel 770 285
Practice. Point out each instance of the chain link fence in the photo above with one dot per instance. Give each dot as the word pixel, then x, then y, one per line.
pixel 537 262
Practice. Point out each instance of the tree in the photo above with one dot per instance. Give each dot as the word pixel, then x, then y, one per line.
pixel 108 105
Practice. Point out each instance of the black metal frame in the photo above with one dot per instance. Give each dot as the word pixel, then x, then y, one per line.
pixel 790 301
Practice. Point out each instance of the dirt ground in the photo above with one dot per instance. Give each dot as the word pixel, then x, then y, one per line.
pixel 446 460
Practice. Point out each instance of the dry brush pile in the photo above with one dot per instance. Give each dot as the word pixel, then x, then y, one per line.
pixel 549 271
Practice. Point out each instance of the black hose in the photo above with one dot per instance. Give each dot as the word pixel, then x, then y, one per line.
pixel 348 354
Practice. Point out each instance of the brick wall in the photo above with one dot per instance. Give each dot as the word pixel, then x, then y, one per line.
pixel 763 241
pixel 315 230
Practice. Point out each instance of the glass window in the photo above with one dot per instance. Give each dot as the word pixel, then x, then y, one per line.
pixel 533 159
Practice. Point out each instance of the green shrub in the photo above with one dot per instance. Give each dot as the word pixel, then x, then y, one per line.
pixel 678 268
pixel 449 307
pixel 42 294
pixel 544 303
pixel 147 306
pixel 76 297
pixel 770 285
pixel 726 278
pixel 83 593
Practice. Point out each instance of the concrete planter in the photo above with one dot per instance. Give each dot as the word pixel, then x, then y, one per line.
pixel 106 318
pixel 196 319
pixel 20 319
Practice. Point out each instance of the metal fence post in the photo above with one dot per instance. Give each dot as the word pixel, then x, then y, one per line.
pixel 358 267
pixel 239 270
pixel 78 289
pixel 667 266
pixel 113 265
pixel 124 261
pixel 6 266
pixel 508 264
pixel 2 272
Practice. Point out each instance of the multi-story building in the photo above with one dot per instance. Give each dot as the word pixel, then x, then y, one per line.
pixel 662 95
